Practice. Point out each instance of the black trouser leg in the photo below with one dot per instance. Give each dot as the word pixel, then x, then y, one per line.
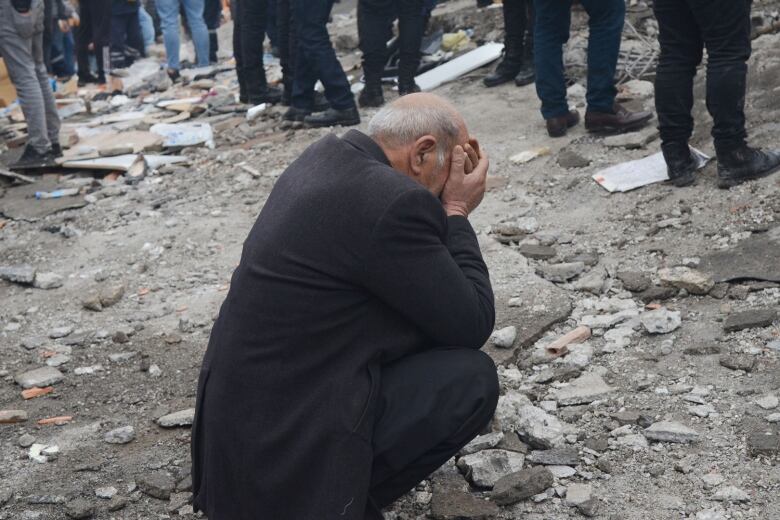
pixel 515 22
pixel 285 30
pixel 375 18
pixel 211 15
pixel 528 42
pixel 101 33
pixel 410 29
pixel 725 29
pixel 681 52
pixel 253 14
pixel 83 39
pixel 430 405
pixel 119 33
pixel 237 50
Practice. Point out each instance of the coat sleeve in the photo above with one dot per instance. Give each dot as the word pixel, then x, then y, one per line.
pixel 429 268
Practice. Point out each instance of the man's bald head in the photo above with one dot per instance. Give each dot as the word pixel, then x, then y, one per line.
pixel 405 120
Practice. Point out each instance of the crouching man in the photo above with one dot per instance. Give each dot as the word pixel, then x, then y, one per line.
pixel 344 366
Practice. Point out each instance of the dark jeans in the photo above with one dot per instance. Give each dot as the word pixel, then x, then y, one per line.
pixel 248 34
pixel 430 406
pixel 62 54
pixel 375 22
pixel 288 43
pixel 212 12
pixel 685 28
pixel 125 30
pixel 95 28
pixel 316 59
pixel 518 28
pixel 551 31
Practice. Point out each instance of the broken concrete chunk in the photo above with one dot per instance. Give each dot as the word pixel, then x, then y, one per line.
pixel 158 485
pixel 180 418
pixel 670 431
pixel 48 281
pixel 504 338
pixel 486 467
pixel 744 362
pixel 537 252
pixel 693 281
pixel 730 494
pixel 661 321
pixel 564 272
pixel 564 456
pixel 483 442
pixel 521 485
pixel 122 435
pixel 577 494
pixel 750 319
pixel 24 274
pixel 12 416
pixel 40 377
pixel 583 390
pixel 634 281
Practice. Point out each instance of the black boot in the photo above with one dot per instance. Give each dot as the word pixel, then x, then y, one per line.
pixel 56 150
pixel 680 163
pixel 526 75
pixel 32 158
pixel 320 102
pixel 333 117
pixel 371 95
pixel 745 163
pixel 296 114
pixel 407 86
pixel 213 48
pixel 509 66
pixel 265 94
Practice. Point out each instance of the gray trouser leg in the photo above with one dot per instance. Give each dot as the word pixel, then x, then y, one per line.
pixel 50 106
pixel 18 55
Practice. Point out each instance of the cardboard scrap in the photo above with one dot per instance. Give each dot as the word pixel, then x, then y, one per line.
pixel 459 66
pixel 635 174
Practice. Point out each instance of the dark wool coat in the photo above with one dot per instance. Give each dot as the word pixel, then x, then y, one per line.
pixel 350 264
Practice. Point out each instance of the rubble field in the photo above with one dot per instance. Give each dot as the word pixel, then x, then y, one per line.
pixel 637 336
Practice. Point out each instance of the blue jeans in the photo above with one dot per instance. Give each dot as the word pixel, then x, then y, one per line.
pixel 147 26
pixel 169 21
pixel 316 59
pixel 553 21
pixel 62 56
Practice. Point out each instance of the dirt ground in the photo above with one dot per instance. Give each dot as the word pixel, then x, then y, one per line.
pixel 171 241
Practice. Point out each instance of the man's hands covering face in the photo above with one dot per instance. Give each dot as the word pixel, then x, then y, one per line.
pixel 465 186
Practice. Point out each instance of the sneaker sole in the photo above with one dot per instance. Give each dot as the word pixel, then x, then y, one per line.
pixel 726 183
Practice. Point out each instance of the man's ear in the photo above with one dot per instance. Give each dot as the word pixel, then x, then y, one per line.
pixel 423 151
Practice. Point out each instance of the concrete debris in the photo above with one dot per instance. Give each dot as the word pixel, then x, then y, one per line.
pixel 504 338
pixel 40 377
pixel 521 485
pixel 660 321
pixel 122 435
pixel 175 419
pixel 750 319
pixel 487 467
pixel 483 442
pixel 12 416
pixel 670 431
pixel 691 280
pixel 583 390
pixel 730 494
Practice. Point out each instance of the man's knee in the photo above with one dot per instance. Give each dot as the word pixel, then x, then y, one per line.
pixel 478 373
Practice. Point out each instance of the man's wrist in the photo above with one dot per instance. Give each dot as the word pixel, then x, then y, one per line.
pixel 454 209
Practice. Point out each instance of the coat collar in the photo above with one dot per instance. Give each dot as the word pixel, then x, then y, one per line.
pixel 365 144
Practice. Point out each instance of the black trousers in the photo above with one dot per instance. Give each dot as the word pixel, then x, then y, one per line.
pixel 212 12
pixel 315 58
pixel 125 30
pixel 430 406
pixel 519 29
pixel 375 22
pixel 95 28
pixel 249 18
pixel 686 27
pixel 285 34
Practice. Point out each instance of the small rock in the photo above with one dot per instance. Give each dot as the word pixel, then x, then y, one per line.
pixel 451 502
pixel 40 377
pixel 744 362
pixel 483 442
pixel 768 402
pixel 589 508
pixel 48 281
pixel 632 140
pixel 583 390
pixel 537 252
pixel 79 508
pixel 12 416
pixel 634 281
pixel 158 485
pixel 711 514
pixel 521 485
pixel 26 440
pixel 504 338
pixel 577 494
pixel 571 159
pixel 60 332
pixel 564 272
pixel 23 274
pixel 669 431
pixel 750 319
pixel 533 425
pixel 657 294
pixel 593 282
pixel 660 321
pixel 180 418
pixel 111 294
pixel 555 457
pixel 712 480
pixel 107 492
pixel 560 472
pixel 57 360
pixel 730 494
pixel 762 443
pixel 121 435
pixel 486 467
pixel 693 281
pixel 91 302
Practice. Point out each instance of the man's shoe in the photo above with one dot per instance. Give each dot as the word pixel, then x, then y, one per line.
pixel 56 150
pixel 371 96
pixel 333 117
pixel 681 164
pixel 557 126
pixel 296 114
pixel 618 121
pixel 174 75
pixel 408 87
pixel 744 164
pixel 320 102
pixel 86 79
pixel 32 158
pixel 526 76
pixel 505 72
pixel 270 95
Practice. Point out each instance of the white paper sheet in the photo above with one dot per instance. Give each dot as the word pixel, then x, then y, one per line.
pixel 635 174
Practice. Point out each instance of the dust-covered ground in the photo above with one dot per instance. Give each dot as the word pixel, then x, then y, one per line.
pixel 628 425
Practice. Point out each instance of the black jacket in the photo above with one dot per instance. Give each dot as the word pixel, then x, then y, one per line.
pixel 350 264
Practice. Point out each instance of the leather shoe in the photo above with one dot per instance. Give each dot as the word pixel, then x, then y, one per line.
pixel 296 114
pixel 618 121
pixel 407 87
pixel 526 76
pixel 371 96
pixel 320 102
pixel 268 95
pixel 681 164
pixel 505 72
pixel 333 117
pixel 557 126
pixel 745 163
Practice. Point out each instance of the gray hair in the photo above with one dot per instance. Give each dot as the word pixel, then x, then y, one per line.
pixel 398 124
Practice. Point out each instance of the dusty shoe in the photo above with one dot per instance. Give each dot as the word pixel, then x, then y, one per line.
pixel 505 72
pixel 407 87
pixel 371 96
pixel 557 126
pixel 320 102
pixel 744 164
pixel 56 150
pixel 268 95
pixel 526 76
pixel 618 121
pixel 680 164
pixel 296 114
pixel 333 117
pixel 32 158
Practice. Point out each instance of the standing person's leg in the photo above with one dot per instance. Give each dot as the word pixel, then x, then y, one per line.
pixel 317 60
pixel 284 28
pixel 237 49
pixel 101 36
pixel 199 31
pixel 49 26
pixel 551 31
pixel 527 74
pixel 430 405
pixel 212 12
pixel 514 27
pixel 410 29
pixel 16 33
pixel 119 26
pixel 147 27
pixel 374 17
pixel 606 19
pixel 135 37
pixel 681 52
pixel 169 23
pixel 83 39
pixel 49 104
pixel 725 28
pixel 253 16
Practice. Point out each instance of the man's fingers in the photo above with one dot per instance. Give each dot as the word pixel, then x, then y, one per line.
pixel 482 167
pixel 458 162
pixel 471 158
